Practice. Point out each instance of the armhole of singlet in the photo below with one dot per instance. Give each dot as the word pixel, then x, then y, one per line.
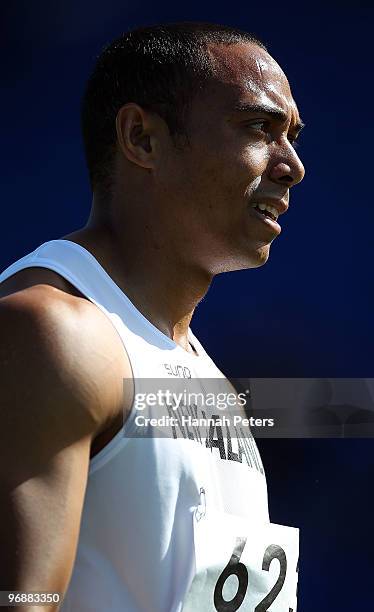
pixel 120 439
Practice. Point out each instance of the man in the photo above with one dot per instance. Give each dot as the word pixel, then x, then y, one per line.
pixel 189 132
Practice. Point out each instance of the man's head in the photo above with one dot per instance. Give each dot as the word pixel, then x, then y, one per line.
pixel 194 123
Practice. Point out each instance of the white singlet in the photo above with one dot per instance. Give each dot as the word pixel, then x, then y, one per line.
pixel 152 503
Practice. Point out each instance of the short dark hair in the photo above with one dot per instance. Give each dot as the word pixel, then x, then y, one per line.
pixel 161 68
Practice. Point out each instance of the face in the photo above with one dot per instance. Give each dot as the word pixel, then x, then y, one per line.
pixel 225 192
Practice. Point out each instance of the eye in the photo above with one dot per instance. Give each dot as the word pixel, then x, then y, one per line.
pixel 260 129
pixel 261 125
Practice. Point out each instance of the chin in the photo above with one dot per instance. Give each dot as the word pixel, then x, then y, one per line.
pixel 255 259
pixel 262 255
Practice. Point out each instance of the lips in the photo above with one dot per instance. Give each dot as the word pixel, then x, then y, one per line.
pixel 270 207
pixel 266 220
pixel 267 210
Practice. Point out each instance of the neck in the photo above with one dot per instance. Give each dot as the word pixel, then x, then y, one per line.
pixel 162 286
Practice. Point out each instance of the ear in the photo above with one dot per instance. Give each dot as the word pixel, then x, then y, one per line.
pixel 138 134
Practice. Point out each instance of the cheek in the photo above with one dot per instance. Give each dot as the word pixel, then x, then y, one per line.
pixel 224 173
pixel 255 160
pixel 240 176
pixel 208 180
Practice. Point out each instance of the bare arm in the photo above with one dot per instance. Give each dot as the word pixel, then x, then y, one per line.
pixel 61 372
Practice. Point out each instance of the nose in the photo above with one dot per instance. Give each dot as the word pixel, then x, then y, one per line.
pixel 286 167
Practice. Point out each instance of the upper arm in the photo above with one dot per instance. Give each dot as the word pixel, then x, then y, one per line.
pixel 57 388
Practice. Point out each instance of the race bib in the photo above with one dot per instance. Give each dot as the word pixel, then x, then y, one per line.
pixel 250 568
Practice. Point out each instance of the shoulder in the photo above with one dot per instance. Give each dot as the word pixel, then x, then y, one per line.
pixel 61 361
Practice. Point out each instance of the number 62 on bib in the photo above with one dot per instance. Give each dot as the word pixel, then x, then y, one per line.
pixel 241 566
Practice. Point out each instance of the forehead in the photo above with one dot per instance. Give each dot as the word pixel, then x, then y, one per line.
pixel 245 72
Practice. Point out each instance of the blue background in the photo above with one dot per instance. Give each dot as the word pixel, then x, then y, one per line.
pixel 308 312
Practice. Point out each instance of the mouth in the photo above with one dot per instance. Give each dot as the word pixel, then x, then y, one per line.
pixel 268 212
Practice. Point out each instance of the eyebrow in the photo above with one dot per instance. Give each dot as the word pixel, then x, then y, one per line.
pixel 274 111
